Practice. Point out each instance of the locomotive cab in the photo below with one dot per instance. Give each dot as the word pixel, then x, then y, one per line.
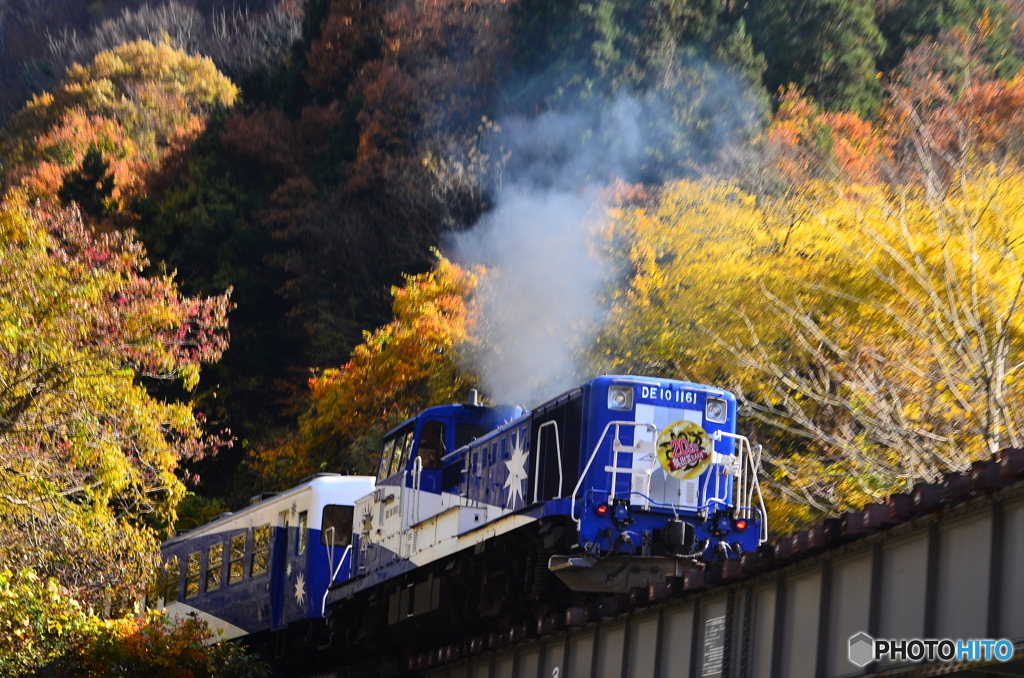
pixel 419 446
pixel 417 460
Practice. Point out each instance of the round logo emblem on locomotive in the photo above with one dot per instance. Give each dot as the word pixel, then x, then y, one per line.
pixel 684 450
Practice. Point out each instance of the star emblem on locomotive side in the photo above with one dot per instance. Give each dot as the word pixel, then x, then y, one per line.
pixel 517 473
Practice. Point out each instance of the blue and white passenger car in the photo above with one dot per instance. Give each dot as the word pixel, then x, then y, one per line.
pixel 268 565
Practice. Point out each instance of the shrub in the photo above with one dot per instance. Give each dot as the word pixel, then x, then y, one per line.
pixel 46 633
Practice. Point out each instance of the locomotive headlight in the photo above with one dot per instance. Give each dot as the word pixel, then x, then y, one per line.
pixel 620 398
pixel 716 410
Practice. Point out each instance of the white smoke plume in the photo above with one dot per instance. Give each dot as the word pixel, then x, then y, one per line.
pixel 538 302
pixel 539 306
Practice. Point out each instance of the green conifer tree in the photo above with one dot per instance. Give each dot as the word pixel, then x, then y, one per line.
pixel 90 186
pixel 827 47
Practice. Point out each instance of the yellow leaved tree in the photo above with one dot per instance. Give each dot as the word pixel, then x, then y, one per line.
pixel 913 373
pixel 88 457
pixel 873 337
pixel 130 105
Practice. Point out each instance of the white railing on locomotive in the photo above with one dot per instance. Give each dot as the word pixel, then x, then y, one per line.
pixel 417 479
pixel 720 470
pixel 330 565
pixel 748 466
pixel 744 466
pixel 617 446
pixel 558 451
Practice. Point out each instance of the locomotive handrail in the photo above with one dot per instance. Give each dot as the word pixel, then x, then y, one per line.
pixel 746 488
pixel 558 450
pixel 417 480
pixel 334 572
pixel 330 551
pixel 715 471
pixel 575 491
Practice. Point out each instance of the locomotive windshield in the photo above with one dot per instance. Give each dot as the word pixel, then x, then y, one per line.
pixel 395 452
pixel 385 459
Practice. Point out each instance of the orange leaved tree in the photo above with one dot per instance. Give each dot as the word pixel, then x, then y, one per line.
pixel 130 105
pixel 411 363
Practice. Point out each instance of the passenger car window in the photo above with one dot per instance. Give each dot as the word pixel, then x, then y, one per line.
pixel 173 569
pixel 192 574
pixel 163 586
pixel 214 558
pixel 236 562
pixel 340 518
pixel 260 550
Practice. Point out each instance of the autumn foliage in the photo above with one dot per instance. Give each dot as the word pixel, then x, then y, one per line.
pixel 45 631
pixel 873 340
pixel 132 103
pixel 801 135
pixel 409 364
pixel 829 225
pixel 88 456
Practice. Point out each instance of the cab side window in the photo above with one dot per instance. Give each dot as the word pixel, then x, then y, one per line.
pixel 300 546
pixel 467 433
pixel 431 447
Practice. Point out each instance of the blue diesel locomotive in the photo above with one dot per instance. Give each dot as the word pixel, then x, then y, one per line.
pixel 483 517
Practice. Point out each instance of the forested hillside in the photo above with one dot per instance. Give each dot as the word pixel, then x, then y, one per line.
pixel 239 242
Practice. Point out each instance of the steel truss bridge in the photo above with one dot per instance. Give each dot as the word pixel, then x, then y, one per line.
pixel 945 561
